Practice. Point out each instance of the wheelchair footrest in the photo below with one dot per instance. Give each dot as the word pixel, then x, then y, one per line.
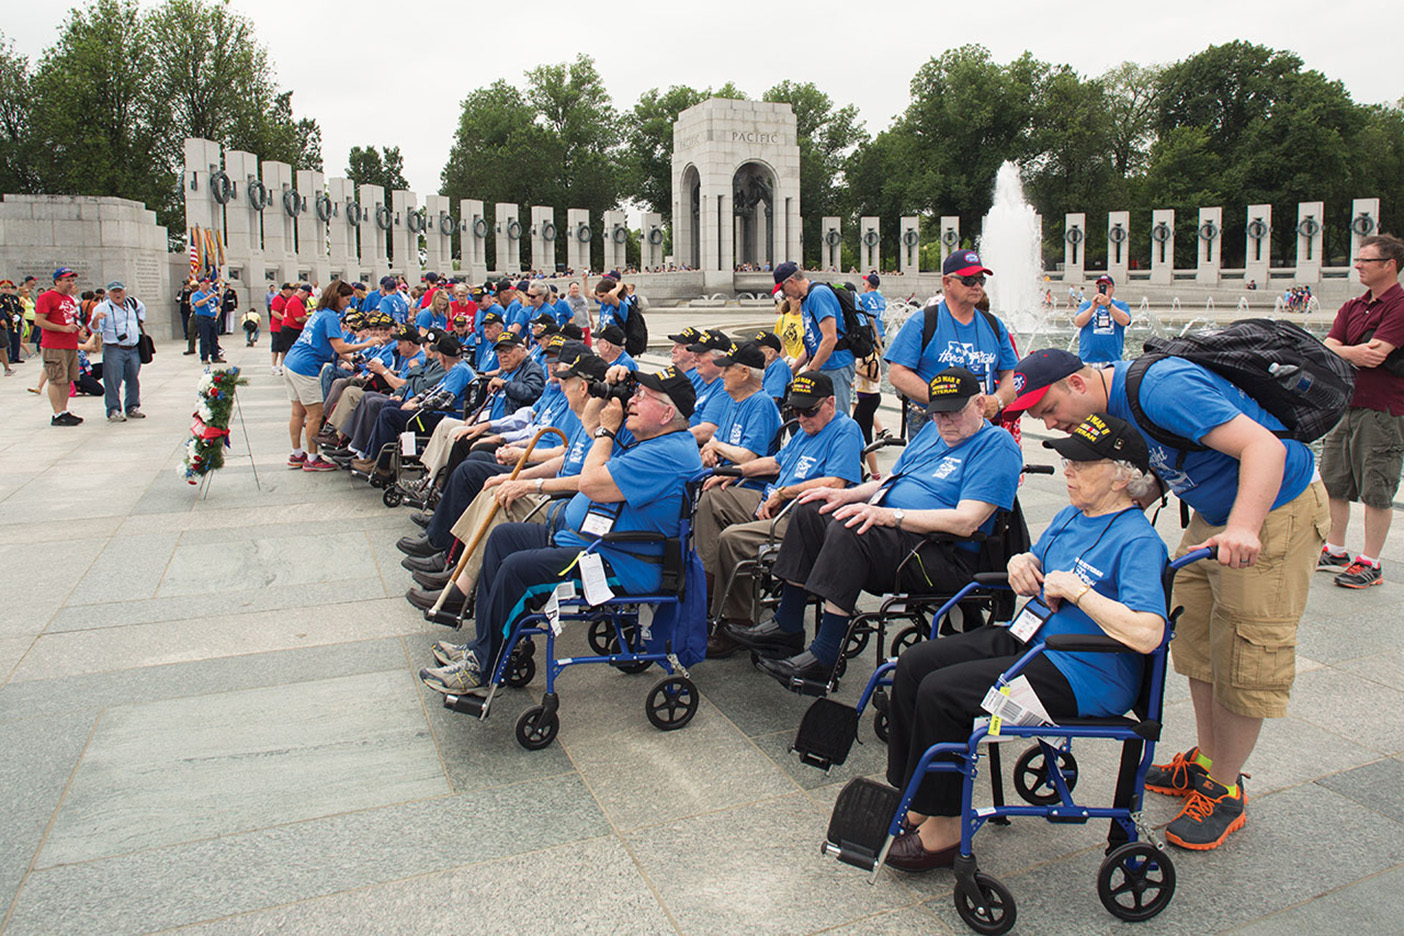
pixel 809 687
pixel 446 618
pixel 859 823
pixel 826 734
pixel 474 705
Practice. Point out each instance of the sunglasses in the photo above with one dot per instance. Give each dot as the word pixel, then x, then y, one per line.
pixel 812 411
pixel 972 280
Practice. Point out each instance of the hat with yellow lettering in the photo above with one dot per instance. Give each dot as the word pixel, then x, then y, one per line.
pixel 950 389
pixel 1102 436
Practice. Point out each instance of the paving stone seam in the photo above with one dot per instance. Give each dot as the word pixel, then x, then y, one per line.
pixel 49 827
pixel 424 709
pixel 1315 897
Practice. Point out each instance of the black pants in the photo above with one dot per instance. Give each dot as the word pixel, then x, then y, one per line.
pixel 462 487
pixel 838 564
pixel 936 694
pixel 863 412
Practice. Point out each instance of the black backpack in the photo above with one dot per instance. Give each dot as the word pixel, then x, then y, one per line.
pixel 635 329
pixel 1282 366
pixel 858 334
pixel 933 311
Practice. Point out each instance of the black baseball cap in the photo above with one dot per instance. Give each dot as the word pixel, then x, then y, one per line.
pixel 685 337
pixel 711 340
pixel 769 339
pixel 673 382
pixel 785 270
pixel 1039 371
pixel 449 346
pixel 1102 436
pixel 491 317
pixel 407 333
pixel 554 344
pixel 748 354
pixel 572 331
pixel 611 333
pixel 389 282
pixel 810 388
pixel 951 389
pixel 507 340
pixel 873 280
pixel 587 365
pixel 545 318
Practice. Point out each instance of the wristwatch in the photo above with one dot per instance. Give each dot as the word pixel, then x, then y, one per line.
pixel 898 514
pixel 603 433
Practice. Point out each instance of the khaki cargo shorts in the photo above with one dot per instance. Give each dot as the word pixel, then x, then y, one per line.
pixel 1361 458
pixel 60 364
pixel 1238 630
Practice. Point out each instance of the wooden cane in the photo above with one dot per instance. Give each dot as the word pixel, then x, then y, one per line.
pixel 487 521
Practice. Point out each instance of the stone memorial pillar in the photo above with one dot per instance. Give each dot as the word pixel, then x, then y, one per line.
pixel 1257 256
pixel 279 220
pixel 312 227
pixel 950 235
pixel 616 230
pixel 1310 240
pixel 202 163
pixel 652 246
pixel 578 245
pixel 341 235
pixel 1162 246
pixel 438 234
pixel 1209 240
pixel 378 219
pixel 473 232
pixel 244 230
pixel 909 245
pixel 543 238
pixel 1074 247
pixel 1364 221
pixel 509 238
pixel 404 240
pixel 831 243
pixel 869 245
pixel 1118 245
pixel 793 231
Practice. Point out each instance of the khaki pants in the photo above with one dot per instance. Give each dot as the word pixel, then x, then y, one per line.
pixel 1238 630
pixel 341 414
pixel 436 453
pixel 726 533
pixel 472 518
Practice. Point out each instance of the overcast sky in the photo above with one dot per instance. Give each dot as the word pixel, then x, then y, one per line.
pixel 393 87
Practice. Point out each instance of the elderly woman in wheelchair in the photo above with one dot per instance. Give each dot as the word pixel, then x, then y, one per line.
pixel 1096 570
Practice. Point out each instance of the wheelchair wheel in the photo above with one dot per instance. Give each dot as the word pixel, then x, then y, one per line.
pixel 1031 776
pixel 536 729
pixel 600 635
pixel 857 640
pixel 1000 910
pixel 671 703
pixel 392 497
pixel 1136 881
pixel 907 638
pixel 612 647
pixel 378 480
pixel 522 668
pixel 880 726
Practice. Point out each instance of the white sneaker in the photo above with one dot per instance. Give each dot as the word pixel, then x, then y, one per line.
pixel 450 653
pixel 459 678
pixel 273 370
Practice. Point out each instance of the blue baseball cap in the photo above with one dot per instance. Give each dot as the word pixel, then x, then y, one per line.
pixel 964 263
pixel 1039 371
pixel 63 273
pixel 785 270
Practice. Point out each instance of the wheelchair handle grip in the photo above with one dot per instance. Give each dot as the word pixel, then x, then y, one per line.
pixel 1208 552
pixel 1039 469
pixel 992 578
pixel 728 471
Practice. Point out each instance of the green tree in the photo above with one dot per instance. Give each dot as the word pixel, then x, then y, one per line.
pixel 16 163
pixel 367 166
pixel 1131 103
pixel 826 137
pixel 648 172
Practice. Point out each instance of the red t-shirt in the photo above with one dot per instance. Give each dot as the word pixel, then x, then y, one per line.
pixel 428 297
pixel 61 310
pixel 469 308
pixel 1375 388
pixel 294 313
pixel 275 320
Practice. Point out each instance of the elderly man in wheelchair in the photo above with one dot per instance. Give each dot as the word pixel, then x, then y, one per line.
pixel 1096 570
pixel 951 479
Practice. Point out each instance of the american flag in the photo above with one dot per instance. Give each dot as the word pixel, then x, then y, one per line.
pixel 194 252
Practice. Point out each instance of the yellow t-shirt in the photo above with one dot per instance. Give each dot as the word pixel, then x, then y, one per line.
pixel 790 327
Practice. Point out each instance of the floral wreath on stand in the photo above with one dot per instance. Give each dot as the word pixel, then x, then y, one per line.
pixel 209 433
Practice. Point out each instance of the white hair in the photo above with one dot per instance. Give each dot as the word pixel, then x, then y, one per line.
pixel 1138 483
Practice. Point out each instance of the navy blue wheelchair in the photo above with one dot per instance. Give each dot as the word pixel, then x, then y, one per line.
pixel 629 632
pixel 1136 880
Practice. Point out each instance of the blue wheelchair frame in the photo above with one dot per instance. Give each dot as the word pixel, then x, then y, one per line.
pixel 974 890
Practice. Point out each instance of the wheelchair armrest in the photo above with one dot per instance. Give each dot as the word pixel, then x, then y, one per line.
pixel 633 536
pixel 727 471
pixel 876 444
pixel 1086 643
pixel 992 578
pixel 1038 469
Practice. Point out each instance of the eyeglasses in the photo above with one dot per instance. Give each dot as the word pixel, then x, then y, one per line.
pixel 812 411
pixel 972 280
pixel 1073 467
pixel 1373 259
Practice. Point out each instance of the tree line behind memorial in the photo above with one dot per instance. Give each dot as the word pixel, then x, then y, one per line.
pixel 104 110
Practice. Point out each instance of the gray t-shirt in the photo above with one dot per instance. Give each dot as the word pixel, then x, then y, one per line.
pixel 580 310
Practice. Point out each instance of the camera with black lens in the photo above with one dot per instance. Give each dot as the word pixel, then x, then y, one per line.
pixel 357 359
pixel 621 391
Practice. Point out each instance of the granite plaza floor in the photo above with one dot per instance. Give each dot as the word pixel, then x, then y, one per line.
pixel 210 722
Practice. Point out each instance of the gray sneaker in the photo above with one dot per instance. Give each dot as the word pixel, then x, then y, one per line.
pixel 1330 562
pixel 135 413
pixel 450 653
pixel 116 416
pixel 455 679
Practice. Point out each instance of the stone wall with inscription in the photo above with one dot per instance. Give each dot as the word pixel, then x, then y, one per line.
pixel 102 239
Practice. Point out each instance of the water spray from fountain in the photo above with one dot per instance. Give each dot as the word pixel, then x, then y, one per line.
pixel 1010 244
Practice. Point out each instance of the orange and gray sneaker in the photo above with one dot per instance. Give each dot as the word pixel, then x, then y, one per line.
pixel 1210 814
pixel 1361 575
pixel 1177 777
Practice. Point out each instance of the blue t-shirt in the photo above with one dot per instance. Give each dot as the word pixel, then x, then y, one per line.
pixel 1103 338
pixel 313 347
pixel 393 305
pixel 625 361
pixel 406 363
pixel 696 379
pixel 874 303
pixel 549 405
pixel 427 319
pixel 456 381
pixel 931 475
pixel 579 447
pixel 1122 557
pixel 517 314
pixel 975 347
pixel 777 379
pixel 653 478
pixel 836 451
pixel 385 354
pixel 711 402
pixel 487 357
pixel 561 311
pixel 750 423
pixel 209 309
pixel 1189 400
pixel 612 314
pixel 820 304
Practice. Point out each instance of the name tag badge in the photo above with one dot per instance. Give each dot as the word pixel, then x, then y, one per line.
pixel 878 495
pixel 407 443
pixel 1029 619
pixel 596 523
pixel 593 580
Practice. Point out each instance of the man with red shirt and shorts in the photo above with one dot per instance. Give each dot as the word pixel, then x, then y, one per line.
pixel 275 324
pixel 56 314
